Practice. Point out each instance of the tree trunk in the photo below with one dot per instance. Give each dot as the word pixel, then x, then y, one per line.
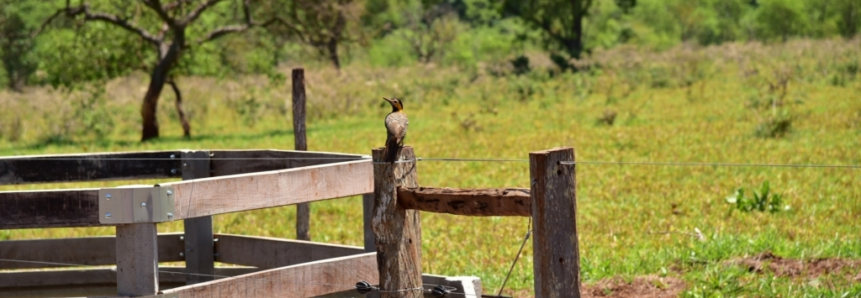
pixel 332 49
pixel 168 54
pixel 186 126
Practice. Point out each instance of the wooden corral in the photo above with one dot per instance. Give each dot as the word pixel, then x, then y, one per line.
pixel 224 181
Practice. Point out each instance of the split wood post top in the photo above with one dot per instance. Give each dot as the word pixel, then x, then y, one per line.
pixel 556 253
pixel 303 210
pixel 397 230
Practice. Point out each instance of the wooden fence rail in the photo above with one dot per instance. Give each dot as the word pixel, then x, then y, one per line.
pixel 217 182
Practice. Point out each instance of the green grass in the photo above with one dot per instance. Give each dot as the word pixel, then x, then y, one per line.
pixel 632 219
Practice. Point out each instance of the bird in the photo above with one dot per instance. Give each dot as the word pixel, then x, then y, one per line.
pixel 396 129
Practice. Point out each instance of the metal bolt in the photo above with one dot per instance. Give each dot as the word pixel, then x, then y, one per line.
pixel 108 215
pixel 215 240
pixel 172 156
pixel 173 171
pixel 180 237
pixel 181 254
pixel 170 216
pixel 108 197
pixel 185 164
pixel 143 205
pixel 170 193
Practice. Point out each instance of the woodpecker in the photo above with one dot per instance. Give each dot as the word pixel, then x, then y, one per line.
pixel 396 129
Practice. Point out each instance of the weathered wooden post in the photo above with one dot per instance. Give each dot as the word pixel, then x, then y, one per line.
pixel 554 207
pixel 303 210
pixel 137 259
pixel 199 254
pixel 397 230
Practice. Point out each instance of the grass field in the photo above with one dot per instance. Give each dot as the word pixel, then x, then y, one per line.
pixel 727 104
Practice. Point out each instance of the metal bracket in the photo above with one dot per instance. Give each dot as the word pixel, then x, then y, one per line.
pixel 136 205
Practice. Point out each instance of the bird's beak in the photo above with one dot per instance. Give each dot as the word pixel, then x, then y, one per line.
pixel 386 99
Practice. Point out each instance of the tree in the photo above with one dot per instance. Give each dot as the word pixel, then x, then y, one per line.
pixel 560 21
pixel 849 19
pixel 16 45
pixel 165 29
pixel 429 30
pixel 321 24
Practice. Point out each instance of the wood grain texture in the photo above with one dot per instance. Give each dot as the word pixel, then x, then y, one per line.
pixel 367 216
pixel 269 253
pixel 95 277
pixel 137 259
pixel 49 208
pixel 90 251
pixel 472 202
pixel 88 167
pixel 397 230
pixel 233 162
pixel 555 246
pixel 304 280
pixel 209 196
pixel 303 210
pixel 199 254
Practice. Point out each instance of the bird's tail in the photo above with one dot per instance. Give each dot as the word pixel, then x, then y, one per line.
pixel 392 149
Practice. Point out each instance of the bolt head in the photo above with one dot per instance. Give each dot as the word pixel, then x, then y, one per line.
pixel 182 254
pixel 170 216
pixel 143 205
pixel 108 196
pixel 172 156
pixel 185 164
pixel 108 215
pixel 173 171
pixel 170 193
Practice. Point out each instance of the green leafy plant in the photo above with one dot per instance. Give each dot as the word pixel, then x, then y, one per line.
pixel 762 200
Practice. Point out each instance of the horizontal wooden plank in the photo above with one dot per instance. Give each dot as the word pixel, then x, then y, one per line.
pixel 49 208
pixel 90 251
pixel 473 202
pixel 209 196
pixel 98 276
pixel 305 280
pixel 268 253
pixel 89 167
pixel 232 162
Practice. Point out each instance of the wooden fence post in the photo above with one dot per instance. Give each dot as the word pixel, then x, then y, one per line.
pixel 556 253
pixel 367 218
pixel 137 259
pixel 303 210
pixel 397 230
pixel 199 255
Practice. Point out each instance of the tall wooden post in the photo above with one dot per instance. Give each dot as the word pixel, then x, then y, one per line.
pixel 397 230
pixel 137 259
pixel 556 253
pixel 303 210
pixel 199 254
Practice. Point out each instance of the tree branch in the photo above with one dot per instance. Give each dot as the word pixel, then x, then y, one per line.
pixel 162 13
pixel 203 6
pixel 225 30
pixel 84 9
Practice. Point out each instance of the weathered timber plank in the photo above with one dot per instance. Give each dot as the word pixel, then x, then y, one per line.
pixel 397 230
pixel 556 252
pixel 98 276
pixel 88 167
pixel 235 162
pixel 199 258
pixel 49 208
pixel 305 280
pixel 268 253
pixel 474 202
pixel 137 259
pixel 209 196
pixel 91 251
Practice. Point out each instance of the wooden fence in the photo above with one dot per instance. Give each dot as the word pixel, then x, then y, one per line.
pixel 218 182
